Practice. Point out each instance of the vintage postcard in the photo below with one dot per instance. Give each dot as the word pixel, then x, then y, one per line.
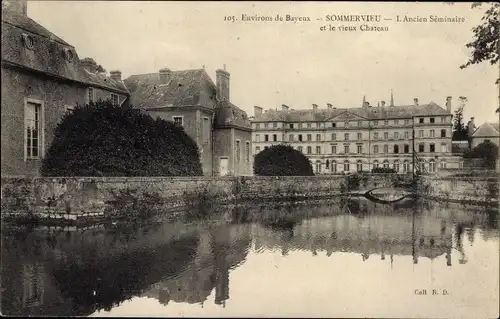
pixel 250 159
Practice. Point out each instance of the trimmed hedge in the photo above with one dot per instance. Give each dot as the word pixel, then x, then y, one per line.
pixel 282 160
pixel 100 139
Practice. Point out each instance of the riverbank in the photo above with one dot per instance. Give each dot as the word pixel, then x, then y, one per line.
pixel 75 201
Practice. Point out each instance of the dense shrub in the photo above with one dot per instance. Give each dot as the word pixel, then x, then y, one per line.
pixel 100 139
pixel 282 160
pixel 383 170
pixel 487 151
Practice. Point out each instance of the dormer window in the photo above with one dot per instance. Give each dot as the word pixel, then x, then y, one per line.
pixel 69 55
pixel 29 41
pixel 114 99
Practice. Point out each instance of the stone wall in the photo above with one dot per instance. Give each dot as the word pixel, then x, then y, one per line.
pixel 109 197
pixel 467 189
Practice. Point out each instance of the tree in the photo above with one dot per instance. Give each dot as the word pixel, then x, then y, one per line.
pixel 282 160
pixel 100 139
pixel 486 44
pixel 459 129
pixel 487 151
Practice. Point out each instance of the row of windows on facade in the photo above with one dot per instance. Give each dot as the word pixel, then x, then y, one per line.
pixel 421 120
pixel 359 149
pixel 406 167
pixel 359 136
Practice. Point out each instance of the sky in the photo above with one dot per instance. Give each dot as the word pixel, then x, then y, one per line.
pixel 274 63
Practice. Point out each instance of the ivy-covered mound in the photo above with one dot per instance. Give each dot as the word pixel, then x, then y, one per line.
pixel 282 160
pixel 100 139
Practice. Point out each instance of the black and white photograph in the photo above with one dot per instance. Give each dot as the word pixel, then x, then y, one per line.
pixel 250 159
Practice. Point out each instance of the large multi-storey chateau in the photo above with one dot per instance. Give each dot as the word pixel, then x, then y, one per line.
pixel 340 140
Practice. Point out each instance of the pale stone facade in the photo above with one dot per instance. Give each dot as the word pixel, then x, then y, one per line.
pixel 359 139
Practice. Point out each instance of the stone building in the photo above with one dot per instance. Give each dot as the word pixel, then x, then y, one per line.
pixel 190 98
pixel 42 77
pixel 486 132
pixel 340 140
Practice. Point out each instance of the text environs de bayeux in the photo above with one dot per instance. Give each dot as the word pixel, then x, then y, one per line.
pixel 278 17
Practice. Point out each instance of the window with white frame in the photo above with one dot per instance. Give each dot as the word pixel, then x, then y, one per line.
pixel 238 152
pixel 33 124
pixel 247 151
pixel 114 99
pixel 90 95
pixel 177 120
pixel 206 130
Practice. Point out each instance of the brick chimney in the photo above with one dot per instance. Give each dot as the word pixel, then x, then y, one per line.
pixel 284 107
pixel 16 6
pixel 382 103
pixel 329 106
pixel 415 101
pixel 116 75
pixel 448 104
pixel 315 107
pixel 471 126
pixel 165 75
pixel 257 110
pixel 222 80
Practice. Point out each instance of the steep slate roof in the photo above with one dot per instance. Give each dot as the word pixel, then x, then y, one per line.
pixel 183 89
pixel 487 130
pixel 388 112
pixel 47 55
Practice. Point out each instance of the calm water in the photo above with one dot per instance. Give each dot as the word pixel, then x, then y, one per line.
pixel 317 259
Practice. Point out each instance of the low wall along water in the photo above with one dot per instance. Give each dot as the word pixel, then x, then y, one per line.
pixel 77 198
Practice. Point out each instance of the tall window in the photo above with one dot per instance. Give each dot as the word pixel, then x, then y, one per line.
pixel 300 137
pixel 431 120
pixel 386 136
pixel 257 149
pixel 346 149
pixel 386 164
pixel 375 149
pixel 360 149
pixel 386 148
pixel 432 165
pixel 300 125
pixel 407 148
pixel 432 148
pixel 33 128
pixel 290 137
pixel 318 149
pixel 346 166
pixel 421 147
pixel 238 155
pixel 318 166
pixel 206 130
pixel 359 136
pixel 421 133
pixel 334 149
pixel 396 166
pixel 308 125
pixel 406 166
pixel 309 150
pixel 375 164
pixel 247 151
pixel 396 135
pixel 318 137
pixel 443 133
pixel 334 137
pixel 443 164
pixel 432 133
pixel 257 126
pixel 346 136
pixel 275 137
pixel 396 149
pixel 386 122
pixel 300 149
pixel 421 120
pixel 266 138
pixel 333 167
pixel 177 120
pixel 309 137
pixel 375 136
pixel 275 125
pixel 359 166
pixel 257 137
pixel 266 125
pixel 114 99
pixel 91 95
pixel 407 135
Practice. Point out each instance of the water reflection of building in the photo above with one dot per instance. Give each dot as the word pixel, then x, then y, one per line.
pixel 78 274
pixel 426 234
pixel 219 251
